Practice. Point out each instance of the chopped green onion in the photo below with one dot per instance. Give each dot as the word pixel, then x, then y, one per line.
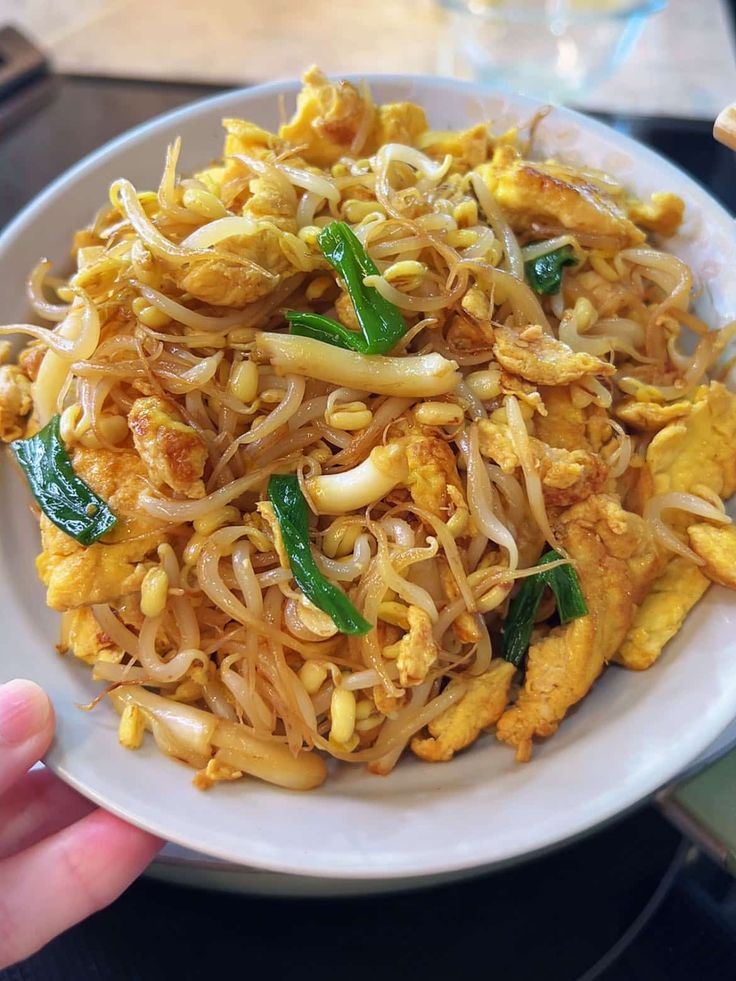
pixel 63 497
pixel 564 583
pixel 291 511
pixel 544 273
pixel 381 323
pixel 324 329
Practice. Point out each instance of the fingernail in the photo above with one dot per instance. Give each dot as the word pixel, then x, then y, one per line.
pixel 24 711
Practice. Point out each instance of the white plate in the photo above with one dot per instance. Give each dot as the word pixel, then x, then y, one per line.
pixel 634 732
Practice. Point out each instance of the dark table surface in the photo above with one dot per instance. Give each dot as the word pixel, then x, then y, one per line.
pixel 629 902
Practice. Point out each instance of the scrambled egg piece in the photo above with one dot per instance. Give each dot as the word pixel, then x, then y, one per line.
pixel 616 559
pixel 216 771
pixel 568 476
pixel 663 214
pixel 432 472
pixel 171 450
pixel 30 358
pixel 495 443
pixel 15 402
pixel 525 392
pixel 397 122
pixel 243 136
pixel 716 545
pixel 480 707
pixel 328 118
pixel 544 198
pixel 269 203
pixel 467 334
pixel 700 449
pixel 464 626
pixel 672 595
pixel 249 271
pixel 105 571
pixel 417 650
pixel 542 359
pixel 468 147
pixel 87 640
pixel 268 516
pixel 132 727
pixel 570 426
pixel 651 416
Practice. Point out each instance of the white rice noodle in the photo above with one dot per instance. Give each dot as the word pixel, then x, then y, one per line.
pixel 484 649
pixel 480 497
pixel 186 618
pixel 400 530
pixel 249 701
pixel 513 260
pixel 400 153
pixel 396 733
pixel 470 402
pixel 601 395
pixel 167 188
pixel 219 230
pixel 536 249
pixel 157 243
pixel 411 593
pixel 619 462
pixel 690 503
pixel 349 568
pixel 511 489
pixel 527 308
pixel 196 377
pixel 309 205
pixel 289 404
pixel 35 294
pixel 246 578
pixel 308 411
pixel 159 670
pixel 701 361
pixel 486 238
pixel 215 695
pixel 450 550
pixel 360 680
pixel 74 339
pixel 671 274
pixel 169 510
pixel 118 633
pixel 212 584
pixel 316 184
pixel 413 302
pixel 77 335
pixel 523 450
pixel 418 375
pixel 363 131
pixel 436 222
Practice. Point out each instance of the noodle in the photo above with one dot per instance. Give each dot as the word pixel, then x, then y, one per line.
pixel 320 550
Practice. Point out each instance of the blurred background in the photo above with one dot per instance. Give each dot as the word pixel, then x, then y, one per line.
pixel 648 57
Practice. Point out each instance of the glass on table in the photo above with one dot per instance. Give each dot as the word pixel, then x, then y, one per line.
pixel 549 49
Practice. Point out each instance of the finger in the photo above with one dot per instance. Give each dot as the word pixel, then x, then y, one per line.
pixel 26 729
pixel 61 880
pixel 36 806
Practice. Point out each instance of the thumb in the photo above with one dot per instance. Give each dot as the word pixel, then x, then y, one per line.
pixel 26 729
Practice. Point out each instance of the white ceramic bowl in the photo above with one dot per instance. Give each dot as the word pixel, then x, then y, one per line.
pixel 631 735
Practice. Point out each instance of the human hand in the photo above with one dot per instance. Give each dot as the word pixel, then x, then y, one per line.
pixel 61 858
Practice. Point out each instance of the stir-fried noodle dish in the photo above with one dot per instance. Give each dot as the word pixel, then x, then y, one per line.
pixel 369 438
